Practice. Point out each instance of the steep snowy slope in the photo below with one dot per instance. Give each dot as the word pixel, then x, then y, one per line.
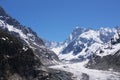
pixel 23 55
pixel 18 62
pixel 103 64
pixel 108 56
pixel 83 42
pixel 27 36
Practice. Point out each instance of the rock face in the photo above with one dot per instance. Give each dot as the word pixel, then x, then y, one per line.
pixel 107 58
pixel 23 55
pixel 109 62
pixel 16 59
pixel 18 62
pixel 28 37
pixel 101 47
pixel 83 42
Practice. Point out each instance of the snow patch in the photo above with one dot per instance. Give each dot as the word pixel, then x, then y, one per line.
pixel 25 48
pixel 3 38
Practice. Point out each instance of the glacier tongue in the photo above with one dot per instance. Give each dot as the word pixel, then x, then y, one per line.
pixel 82 73
pixel 80 48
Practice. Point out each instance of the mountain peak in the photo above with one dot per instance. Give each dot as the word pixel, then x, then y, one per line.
pixel 2 11
pixel 84 42
pixel 8 19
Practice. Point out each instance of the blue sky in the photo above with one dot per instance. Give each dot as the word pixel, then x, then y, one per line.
pixel 54 20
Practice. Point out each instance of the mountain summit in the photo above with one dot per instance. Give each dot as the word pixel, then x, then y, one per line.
pixel 83 42
pixel 28 37
pixel 23 55
pixel 91 54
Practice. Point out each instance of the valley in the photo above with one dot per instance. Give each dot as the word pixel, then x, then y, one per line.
pixel 86 54
pixel 81 73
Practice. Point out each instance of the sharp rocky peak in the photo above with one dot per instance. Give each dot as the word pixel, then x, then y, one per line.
pixel 83 42
pixel 28 37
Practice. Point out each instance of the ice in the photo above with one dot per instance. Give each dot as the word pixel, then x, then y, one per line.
pixel 78 69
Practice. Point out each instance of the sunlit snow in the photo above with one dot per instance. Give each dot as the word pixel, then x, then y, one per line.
pixel 78 69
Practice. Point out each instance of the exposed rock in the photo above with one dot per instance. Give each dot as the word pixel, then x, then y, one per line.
pixel 23 54
pixel 27 37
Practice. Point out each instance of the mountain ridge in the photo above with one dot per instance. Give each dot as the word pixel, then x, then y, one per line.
pixel 28 37
pixel 24 66
pixel 82 40
pixel 100 47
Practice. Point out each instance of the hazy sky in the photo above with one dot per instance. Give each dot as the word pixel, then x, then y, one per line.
pixel 54 20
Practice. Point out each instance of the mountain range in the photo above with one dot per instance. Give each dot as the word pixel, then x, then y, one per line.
pixel 82 43
pixel 100 46
pixel 25 56
pixel 90 54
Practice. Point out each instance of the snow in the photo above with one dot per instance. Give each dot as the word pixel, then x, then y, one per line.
pixel 78 69
pixel 31 36
pixel 109 50
pixel 2 23
pixel 106 29
pixel 7 56
pixel 68 56
pixel 3 38
pixel 22 35
pixel 11 28
pixel 94 42
pixel 57 50
pixel 91 34
pixel 94 47
pixel 71 37
pixel 40 46
pixel 25 48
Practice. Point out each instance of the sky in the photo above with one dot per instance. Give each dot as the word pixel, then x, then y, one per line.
pixel 54 20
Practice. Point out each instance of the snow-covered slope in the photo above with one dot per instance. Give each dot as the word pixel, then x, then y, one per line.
pixel 23 55
pixel 108 56
pixel 28 37
pixel 103 64
pixel 52 44
pixel 83 42
pixel 82 73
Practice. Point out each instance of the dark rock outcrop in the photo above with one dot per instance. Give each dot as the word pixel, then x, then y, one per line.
pixel 109 62
pixel 16 58
pixel 23 55
pixel 28 38
pixel 18 62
